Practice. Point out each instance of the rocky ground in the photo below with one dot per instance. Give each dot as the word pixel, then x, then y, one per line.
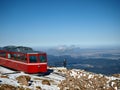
pixel 60 79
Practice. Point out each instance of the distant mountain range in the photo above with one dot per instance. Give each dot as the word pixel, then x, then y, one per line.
pixel 75 51
pixel 96 65
pixel 102 60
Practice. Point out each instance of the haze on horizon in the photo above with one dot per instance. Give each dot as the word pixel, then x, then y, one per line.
pixel 86 23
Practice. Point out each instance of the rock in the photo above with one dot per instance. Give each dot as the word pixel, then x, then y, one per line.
pixel 73 79
pixel 38 88
pixel 116 75
pixel 82 80
pixel 4 76
pixel 23 80
pixel 115 84
pixel 22 88
pixel 45 82
pixel 7 87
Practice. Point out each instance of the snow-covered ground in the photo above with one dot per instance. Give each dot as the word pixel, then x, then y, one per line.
pixel 47 82
pixel 59 79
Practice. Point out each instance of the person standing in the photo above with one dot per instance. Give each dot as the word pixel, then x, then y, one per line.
pixel 64 62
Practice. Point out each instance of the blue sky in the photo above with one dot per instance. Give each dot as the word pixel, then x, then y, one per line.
pixel 86 23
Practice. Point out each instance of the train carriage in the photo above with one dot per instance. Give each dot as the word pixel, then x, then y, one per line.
pixel 23 59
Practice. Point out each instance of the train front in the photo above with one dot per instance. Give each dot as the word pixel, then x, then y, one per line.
pixel 37 62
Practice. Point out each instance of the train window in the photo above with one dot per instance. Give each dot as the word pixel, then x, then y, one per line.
pixel 9 56
pixel 15 56
pixel 42 59
pixel 3 54
pixel 33 59
pixel 21 57
pixel 18 57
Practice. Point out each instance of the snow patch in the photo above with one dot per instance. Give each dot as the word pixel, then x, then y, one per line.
pixel 9 82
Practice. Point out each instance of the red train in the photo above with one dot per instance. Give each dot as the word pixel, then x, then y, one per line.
pixel 23 59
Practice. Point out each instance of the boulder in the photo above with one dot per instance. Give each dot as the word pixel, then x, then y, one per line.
pixel 23 80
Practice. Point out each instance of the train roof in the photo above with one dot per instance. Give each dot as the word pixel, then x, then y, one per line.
pixel 21 49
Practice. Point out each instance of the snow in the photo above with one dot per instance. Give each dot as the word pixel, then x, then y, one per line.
pixel 112 84
pixel 5 70
pixel 11 80
pixel 73 73
pixel 8 81
pixel 59 74
pixel 44 87
pixel 55 77
pixel 14 76
pixel 112 78
pixel 90 76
